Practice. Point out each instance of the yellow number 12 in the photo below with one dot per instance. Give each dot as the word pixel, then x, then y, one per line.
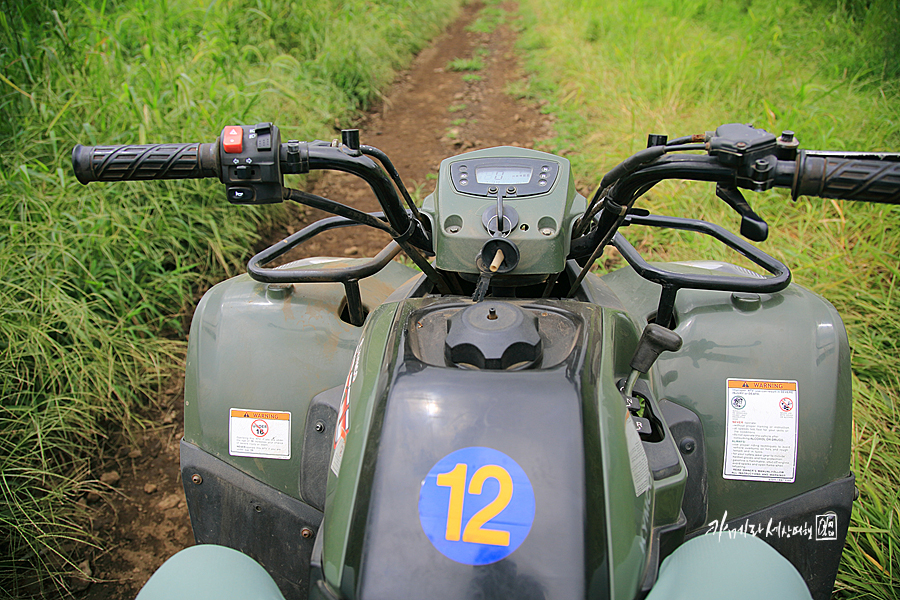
pixel 475 532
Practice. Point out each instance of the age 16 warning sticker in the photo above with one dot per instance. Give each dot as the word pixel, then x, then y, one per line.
pixel 260 434
pixel 761 430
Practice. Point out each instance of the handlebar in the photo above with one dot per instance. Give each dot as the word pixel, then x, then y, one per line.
pixel 251 161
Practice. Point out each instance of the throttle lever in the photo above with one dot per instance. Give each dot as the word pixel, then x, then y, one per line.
pixel 752 225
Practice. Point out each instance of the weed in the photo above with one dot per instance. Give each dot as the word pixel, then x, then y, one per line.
pixel 457 108
pixel 465 64
pixel 471 77
pixel 489 18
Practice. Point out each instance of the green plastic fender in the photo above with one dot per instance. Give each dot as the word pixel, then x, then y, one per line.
pixel 792 335
pixel 271 348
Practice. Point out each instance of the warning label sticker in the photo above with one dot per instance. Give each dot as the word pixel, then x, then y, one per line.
pixel 259 433
pixel 761 430
pixel 640 468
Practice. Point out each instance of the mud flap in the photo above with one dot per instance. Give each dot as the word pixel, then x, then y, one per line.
pixel 809 530
pixel 230 508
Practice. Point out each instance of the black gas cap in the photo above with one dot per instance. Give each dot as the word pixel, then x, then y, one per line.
pixel 493 335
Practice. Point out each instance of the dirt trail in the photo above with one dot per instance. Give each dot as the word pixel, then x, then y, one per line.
pixel 430 113
pixel 433 112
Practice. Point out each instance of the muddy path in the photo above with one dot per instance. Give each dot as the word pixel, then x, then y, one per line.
pixel 433 110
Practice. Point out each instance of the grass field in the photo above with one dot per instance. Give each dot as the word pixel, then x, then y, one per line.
pixel 95 281
pixel 616 70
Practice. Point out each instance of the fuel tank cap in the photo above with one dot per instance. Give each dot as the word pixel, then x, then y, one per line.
pixel 493 335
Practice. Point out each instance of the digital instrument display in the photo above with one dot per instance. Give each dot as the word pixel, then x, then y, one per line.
pixel 503 175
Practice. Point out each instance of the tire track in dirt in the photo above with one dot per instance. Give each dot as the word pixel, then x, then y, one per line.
pixel 431 112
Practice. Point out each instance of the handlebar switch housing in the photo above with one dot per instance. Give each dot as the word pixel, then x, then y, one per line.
pixel 750 151
pixel 252 175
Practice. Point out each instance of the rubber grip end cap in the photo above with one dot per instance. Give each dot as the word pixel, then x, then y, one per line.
pixel 81 163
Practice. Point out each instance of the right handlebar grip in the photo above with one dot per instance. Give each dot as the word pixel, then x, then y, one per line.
pixel 144 161
pixel 847 178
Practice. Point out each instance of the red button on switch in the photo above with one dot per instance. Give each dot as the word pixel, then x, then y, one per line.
pixel 233 139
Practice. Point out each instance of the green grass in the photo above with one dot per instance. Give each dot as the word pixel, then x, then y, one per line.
pixel 489 18
pixel 466 64
pixel 615 70
pixel 96 282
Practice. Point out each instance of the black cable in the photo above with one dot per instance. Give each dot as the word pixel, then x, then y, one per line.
pixel 685 147
pixel 395 176
pixel 336 208
pixel 685 139
pixel 624 169
pixel 362 218
pixel 639 180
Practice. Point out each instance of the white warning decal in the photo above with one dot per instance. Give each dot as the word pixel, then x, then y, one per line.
pixel 343 421
pixel 761 430
pixel 640 469
pixel 259 433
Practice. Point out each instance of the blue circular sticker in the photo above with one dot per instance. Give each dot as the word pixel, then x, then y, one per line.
pixel 476 505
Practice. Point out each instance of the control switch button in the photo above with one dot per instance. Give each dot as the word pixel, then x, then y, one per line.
pixel 240 195
pixel 233 139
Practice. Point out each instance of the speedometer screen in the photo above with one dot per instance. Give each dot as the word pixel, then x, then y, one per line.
pixel 503 175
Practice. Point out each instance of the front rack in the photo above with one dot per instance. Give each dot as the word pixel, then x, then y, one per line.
pixel 671 282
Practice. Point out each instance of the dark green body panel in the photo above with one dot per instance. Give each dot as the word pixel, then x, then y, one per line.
pixel 255 348
pixel 790 335
pixel 618 528
pixel 252 349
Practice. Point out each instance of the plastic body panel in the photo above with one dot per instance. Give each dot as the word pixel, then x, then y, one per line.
pixel 257 347
pixel 251 348
pixel 738 568
pixel 459 233
pixel 564 425
pixel 790 335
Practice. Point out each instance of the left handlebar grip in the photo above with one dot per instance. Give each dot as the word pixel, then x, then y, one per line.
pixel 145 161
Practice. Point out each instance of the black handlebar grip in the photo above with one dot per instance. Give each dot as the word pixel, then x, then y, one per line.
pixel 145 161
pixel 847 178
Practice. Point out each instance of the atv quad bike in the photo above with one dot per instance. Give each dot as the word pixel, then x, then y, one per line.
pixel 501 422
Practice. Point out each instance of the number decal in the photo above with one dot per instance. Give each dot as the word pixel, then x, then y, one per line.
pixel 456 481
pixel 475 531
pixel 476 505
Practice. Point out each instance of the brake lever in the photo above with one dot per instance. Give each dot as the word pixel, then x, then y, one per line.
pixel 752 226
